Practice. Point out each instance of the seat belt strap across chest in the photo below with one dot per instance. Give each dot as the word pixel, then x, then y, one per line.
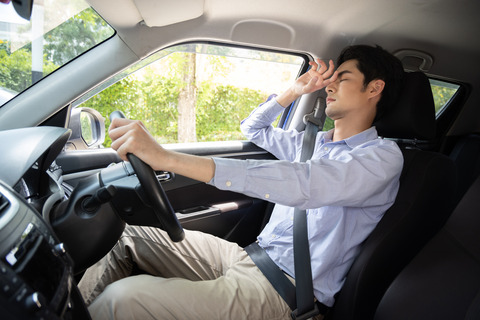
pixel 300 298
pixel 306 306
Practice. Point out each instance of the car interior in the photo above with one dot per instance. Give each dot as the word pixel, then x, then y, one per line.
pixel 66 197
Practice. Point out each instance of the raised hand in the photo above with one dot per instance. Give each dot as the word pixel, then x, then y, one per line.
pixel 319 76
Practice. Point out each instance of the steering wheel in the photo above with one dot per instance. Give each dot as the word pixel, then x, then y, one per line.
pixel 155 193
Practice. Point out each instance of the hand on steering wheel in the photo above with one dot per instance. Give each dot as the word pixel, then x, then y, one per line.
pixel 155 193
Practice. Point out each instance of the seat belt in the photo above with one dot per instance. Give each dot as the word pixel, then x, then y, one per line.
pixel 300 298
pixel 306 306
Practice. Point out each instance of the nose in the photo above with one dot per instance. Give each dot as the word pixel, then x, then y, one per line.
pixel 331 87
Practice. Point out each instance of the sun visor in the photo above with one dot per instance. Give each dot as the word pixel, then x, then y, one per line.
pixel 165 12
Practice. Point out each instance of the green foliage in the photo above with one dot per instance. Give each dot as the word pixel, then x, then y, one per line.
pixel 220 110
pixel 16 69
pixel 75 36
pixel 154 101
pixel 441 95
pixel 61 45
pixel 123 96
pixel 158 107
pixel 86 127
pixel 329 124
pixel 151 95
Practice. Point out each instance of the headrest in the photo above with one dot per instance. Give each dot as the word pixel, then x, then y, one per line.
pixel 413 117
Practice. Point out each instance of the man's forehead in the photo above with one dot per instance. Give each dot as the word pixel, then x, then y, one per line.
pixel 349 66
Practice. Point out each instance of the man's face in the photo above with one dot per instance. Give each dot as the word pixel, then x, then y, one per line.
pixel 347 96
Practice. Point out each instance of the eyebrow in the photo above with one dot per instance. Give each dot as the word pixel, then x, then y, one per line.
pixel 344 72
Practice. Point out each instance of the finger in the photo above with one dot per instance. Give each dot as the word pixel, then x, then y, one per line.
pixel 122 126
pixel 329 71
pixel 119 122
pixel 117 131
pixel 122 151
pixel 314 64
pixel 117 128
pixel 321 65
pixel 330 80
pixel 118 141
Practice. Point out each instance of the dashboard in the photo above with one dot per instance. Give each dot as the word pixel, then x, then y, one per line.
pixel 50 232
pixel 36 271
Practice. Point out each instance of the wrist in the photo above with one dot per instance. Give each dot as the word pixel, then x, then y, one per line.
pixel 287 97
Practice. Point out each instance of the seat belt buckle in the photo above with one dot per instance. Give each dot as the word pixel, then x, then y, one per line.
pixel 307 315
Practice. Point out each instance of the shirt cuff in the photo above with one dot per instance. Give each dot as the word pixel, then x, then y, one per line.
pixel 266 112
pixel 230 174
pixel 271 109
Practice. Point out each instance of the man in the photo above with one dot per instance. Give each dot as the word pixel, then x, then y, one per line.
pixel 351 180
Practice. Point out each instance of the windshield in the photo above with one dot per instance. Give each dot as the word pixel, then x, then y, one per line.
pixel 57 32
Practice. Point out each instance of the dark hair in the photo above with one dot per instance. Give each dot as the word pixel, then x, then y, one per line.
pixel 377 63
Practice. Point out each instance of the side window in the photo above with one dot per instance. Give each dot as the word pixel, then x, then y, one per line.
pixel 443 93
pixel 195 92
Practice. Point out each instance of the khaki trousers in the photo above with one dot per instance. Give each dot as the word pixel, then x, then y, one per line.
pixel 202 277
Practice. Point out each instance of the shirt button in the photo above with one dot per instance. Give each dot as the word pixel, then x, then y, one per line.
pixel 325 148
pixel 228 183
pixel 267 196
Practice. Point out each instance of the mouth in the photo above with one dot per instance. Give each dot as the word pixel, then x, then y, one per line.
pixel 330 100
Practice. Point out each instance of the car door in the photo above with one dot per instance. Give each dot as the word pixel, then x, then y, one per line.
pixel 191 98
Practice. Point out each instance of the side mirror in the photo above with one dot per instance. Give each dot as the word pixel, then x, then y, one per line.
pixel 88 129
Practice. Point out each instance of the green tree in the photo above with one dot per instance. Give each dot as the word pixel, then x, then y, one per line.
pixel 220 110
pixel 122 95
pixel 61 45
pixel 441 95
pixel 75 36
pixel 16 69
pixel 187 98
pixel 158 110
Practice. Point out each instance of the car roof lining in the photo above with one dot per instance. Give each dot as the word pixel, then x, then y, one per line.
pixel 321 28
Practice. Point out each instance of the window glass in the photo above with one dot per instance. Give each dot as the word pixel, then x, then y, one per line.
pixel 57 32
pixel 443 93
pixel 195 92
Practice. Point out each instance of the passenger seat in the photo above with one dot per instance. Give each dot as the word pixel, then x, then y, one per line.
pixel 466 156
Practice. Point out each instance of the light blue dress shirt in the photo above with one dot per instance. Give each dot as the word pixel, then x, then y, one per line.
pixel 346 188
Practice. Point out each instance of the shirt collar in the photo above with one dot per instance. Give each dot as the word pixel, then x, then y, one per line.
pixel 356 140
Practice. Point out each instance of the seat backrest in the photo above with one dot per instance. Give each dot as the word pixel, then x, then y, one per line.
pixel 443 280
pixel 466 156
pixel 422 206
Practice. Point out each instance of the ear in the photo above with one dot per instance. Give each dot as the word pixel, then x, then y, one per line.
pixel 375 88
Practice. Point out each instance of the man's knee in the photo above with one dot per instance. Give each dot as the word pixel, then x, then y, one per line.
pixel 118 300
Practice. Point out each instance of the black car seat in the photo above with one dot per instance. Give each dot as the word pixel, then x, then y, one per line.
pixel 443 280
pixel 422 206
pixel 466 156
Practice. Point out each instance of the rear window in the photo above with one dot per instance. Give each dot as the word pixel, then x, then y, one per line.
pixel 443 93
